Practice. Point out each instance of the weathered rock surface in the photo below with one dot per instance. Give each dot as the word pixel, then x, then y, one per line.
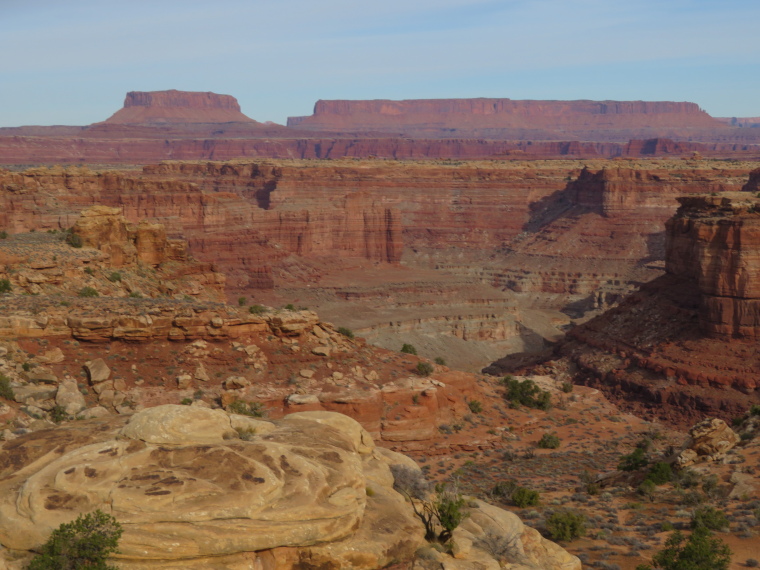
pixel 190 494
pixel 714 241
pixel 710 440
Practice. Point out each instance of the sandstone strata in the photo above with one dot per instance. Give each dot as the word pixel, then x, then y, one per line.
pixel 178 125
pixel 715 243
pixel 683 346
pixel 293 495
pixel 161 107
pixel 507 118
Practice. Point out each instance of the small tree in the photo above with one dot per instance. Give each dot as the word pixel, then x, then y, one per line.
pixel 526 393
pixel 85 543
pixel 87 292
pixel 408 349
pixel 701 551
pixel 424 368
pixel 710 518
pixel 6 391
pixel 633 461
pixel 444 510
pixel 660 473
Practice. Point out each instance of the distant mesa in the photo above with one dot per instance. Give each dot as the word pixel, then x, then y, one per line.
pixel 507 118
pixel 177 107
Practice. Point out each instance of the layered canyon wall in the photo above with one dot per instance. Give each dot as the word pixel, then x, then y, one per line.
pixel 501 247
pixel 685 344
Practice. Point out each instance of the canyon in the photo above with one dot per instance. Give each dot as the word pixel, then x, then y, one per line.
pixel 167 386
pixel 200 311
pixel 469 260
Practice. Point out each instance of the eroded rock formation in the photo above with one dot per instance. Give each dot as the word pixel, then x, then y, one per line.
pixel 684 345
pixel 293 493
pixel 715 242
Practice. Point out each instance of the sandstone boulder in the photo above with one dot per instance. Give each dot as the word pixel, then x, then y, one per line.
pixel 710 440
pixel 70 398
pixel 97 370
pixel 292 323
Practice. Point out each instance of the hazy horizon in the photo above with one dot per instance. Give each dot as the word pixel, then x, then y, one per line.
pixel 73 64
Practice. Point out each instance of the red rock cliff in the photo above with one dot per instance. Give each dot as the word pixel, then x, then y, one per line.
pixel 539 120
pixel 146 107
pixel 714 241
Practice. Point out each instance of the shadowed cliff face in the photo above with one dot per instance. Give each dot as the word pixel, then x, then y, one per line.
pixel 714 241
pixel 685 344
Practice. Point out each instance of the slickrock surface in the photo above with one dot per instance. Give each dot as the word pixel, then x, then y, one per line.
pixel 199 488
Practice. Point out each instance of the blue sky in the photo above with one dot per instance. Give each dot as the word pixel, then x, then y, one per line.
pixel 72 61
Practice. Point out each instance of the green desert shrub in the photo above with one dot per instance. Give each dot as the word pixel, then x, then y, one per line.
pixel 710 518
pixel 252 409
pixel 348 333
pixel 476 407
pixel 86 542
pixel 114 277
pixel 526 393
pixel 566 525
pixel 523 497
pixel 5 388
pixel 660 473
pixel 549 441
pixel 87 292
pixel 424 368
pixel 504 489
pixel 408 349
pixel 256 310
pixel 74 240
pixel 633 461
pixel 701 551
pixel 5 286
